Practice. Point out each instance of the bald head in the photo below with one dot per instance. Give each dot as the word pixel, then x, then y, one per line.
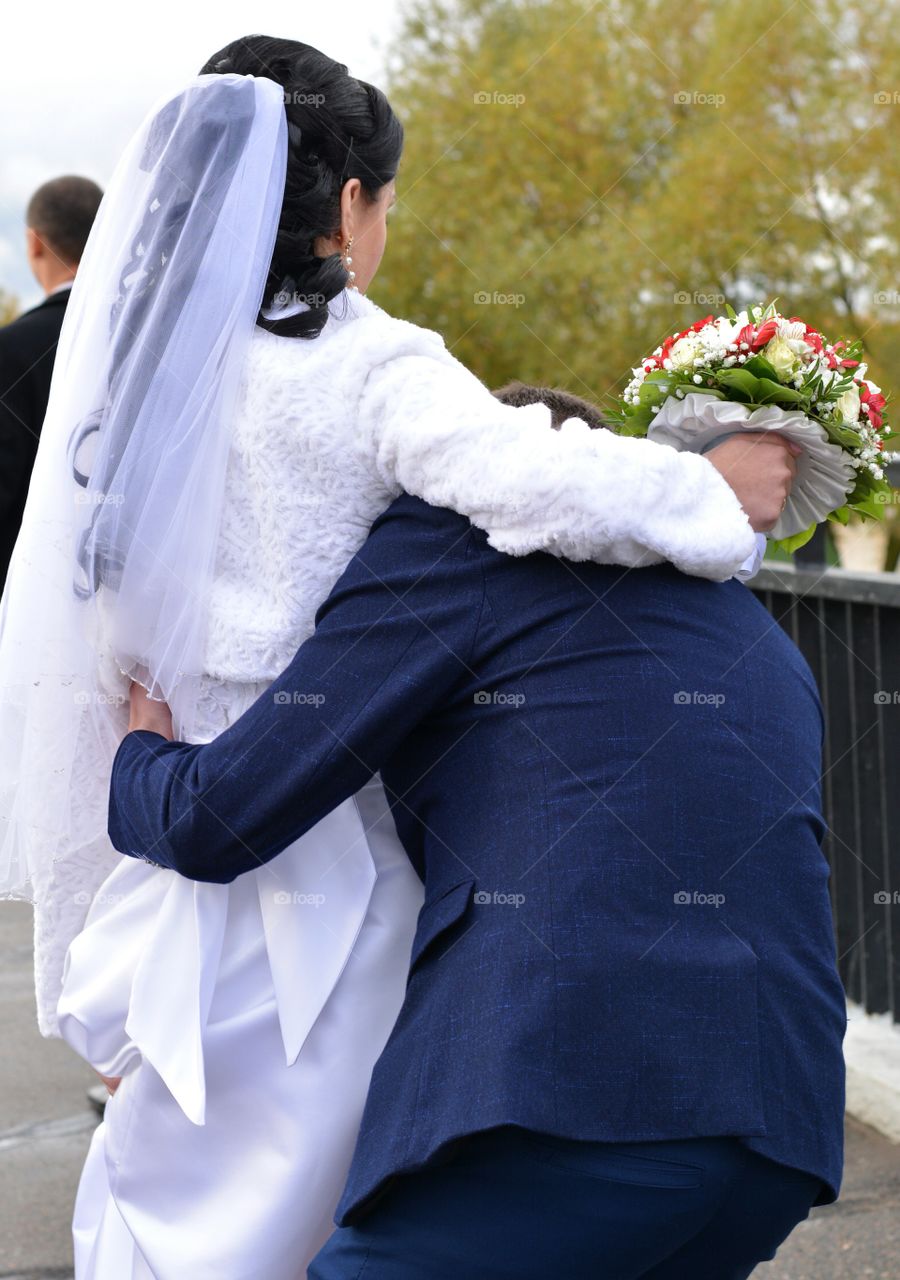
pixel 59 219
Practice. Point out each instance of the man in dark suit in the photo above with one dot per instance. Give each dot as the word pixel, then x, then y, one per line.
pixel 620 1049
pixel 58 220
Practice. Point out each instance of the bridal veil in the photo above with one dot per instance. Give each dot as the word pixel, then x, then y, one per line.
pixel 117 546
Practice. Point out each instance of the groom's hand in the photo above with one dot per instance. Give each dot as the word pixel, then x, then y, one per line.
pixel 147 714
pixel 761 468
pixel 112 1082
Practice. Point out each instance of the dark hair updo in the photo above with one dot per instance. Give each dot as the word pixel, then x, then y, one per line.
pixel 338 128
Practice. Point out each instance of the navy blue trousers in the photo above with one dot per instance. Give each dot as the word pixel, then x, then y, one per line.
pixel 512 1205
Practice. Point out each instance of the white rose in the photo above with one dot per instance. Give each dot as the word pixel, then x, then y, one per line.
pixel 791 330
pixel 794 334
pixel 683 353
pixel 779 354
pixel 847 406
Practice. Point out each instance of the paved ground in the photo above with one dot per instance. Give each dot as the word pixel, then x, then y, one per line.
pixel 45 1122
pixel 860 1235
pixel 45 1127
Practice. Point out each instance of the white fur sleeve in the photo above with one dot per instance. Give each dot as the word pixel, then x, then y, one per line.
pixel 438 433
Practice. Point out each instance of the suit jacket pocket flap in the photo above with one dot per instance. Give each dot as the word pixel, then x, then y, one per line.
pixel 439 915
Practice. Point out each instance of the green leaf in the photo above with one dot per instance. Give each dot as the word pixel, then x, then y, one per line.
pixel 654 390
pixel 770 392
pixel 703 391
pixel 841 515
pixel 730 311
pixel 791 544
pixel 874 505
pixel 844 436
pixel 632 428
pixel 739 380
pixel 761 368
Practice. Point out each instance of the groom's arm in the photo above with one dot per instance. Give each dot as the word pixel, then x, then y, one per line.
pixel 392 640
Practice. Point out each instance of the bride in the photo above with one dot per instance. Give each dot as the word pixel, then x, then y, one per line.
pixel 229 414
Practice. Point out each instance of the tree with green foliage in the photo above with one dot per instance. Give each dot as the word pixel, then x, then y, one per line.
pixel 9 307
pixel 580 180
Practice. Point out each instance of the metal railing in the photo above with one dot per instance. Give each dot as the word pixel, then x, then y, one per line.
pixel 847 625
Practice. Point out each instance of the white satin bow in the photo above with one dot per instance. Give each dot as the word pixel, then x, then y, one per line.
pixel 141 977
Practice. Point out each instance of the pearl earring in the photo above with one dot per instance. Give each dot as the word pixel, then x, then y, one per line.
pixel 348 264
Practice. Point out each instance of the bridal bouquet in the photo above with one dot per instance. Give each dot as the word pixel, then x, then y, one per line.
pixel 762 371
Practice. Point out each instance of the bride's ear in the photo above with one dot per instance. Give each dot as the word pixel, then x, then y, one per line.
pixel 351 194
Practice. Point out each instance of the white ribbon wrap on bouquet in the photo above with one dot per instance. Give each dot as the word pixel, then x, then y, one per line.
pixel 825 472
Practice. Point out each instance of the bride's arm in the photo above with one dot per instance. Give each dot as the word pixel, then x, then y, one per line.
pixel 438 433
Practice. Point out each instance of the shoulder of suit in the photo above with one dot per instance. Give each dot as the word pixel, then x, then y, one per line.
pixel 36 316
pixel 407 514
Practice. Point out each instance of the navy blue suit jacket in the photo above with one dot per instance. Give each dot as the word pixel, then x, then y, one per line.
pixel 27 353
pixel 609 782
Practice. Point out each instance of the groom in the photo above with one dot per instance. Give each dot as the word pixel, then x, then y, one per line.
pixel 620 1049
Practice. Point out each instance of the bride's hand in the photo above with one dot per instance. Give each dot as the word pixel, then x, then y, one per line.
pixel 761 468
pixel 147 714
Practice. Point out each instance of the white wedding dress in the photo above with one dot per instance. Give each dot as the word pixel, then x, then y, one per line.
pixel 246 1018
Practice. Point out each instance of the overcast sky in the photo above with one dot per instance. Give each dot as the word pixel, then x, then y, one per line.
pixel 79 78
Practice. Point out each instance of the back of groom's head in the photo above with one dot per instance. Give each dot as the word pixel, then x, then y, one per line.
pixel 562 404
pixel 60 215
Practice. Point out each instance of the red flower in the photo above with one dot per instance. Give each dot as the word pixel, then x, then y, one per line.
pixel 764 335
pixel 811 337
pixel 669 344
pixel 874 399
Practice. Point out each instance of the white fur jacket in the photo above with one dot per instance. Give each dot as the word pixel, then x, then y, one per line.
pixel 328 432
